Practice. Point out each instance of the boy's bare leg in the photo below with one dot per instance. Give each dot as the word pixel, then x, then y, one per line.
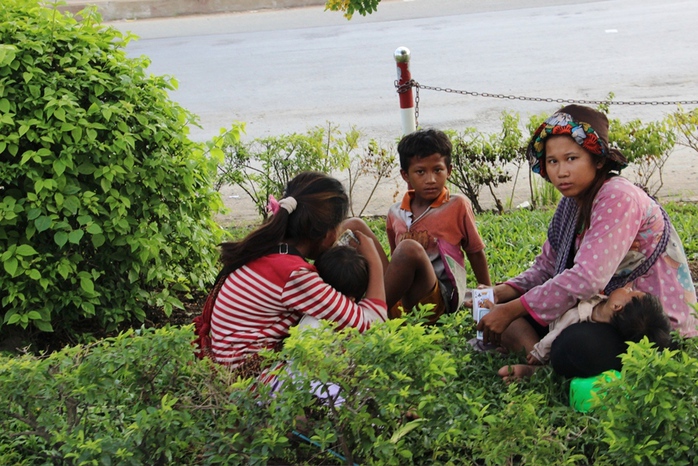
pixel 355 224
pixel 409 276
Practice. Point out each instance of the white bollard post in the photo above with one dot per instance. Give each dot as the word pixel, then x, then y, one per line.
pixel 409 120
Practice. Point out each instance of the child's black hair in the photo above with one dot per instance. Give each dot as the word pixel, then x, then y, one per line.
pixel 644 316
pixel 322 206
pixel 423 143
pixel 345 270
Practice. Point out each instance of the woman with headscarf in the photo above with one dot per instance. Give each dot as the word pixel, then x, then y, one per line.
pixel 606 233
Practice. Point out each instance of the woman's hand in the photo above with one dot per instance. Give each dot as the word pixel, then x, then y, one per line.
pixel 494 323
pixel 503 293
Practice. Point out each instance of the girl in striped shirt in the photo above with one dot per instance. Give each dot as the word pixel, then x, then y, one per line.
pixel 266 285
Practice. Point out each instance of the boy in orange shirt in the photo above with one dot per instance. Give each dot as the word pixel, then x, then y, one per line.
pixel 427 226
pixel 428 232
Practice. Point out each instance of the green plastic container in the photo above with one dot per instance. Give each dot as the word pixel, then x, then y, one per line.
pixel 582 388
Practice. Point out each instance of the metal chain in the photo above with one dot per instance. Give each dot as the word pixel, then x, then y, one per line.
pixel 415 84
pixel 402 88
pixel 416 107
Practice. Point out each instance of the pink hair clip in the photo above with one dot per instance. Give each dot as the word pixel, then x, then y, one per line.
pixel 273 205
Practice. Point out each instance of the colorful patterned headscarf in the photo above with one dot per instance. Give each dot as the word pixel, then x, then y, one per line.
pixel 588 128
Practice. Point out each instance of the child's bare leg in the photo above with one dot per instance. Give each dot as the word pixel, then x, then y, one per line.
pixel 517 372
pixel 520 336
pixel 355 224
pixel 409 276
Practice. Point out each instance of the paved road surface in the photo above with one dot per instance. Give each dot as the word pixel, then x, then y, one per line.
pixel 285 71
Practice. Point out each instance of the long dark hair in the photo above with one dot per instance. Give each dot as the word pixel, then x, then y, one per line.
pixel 586 199
pixel 322 205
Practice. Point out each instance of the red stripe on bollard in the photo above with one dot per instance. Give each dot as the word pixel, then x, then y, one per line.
pixel 404 81
pixel 404 77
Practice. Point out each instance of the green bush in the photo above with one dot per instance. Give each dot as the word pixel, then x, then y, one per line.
pixel 264 166
pixel 139 398
pixel 411 395
pixel 647 148
pixel 107 206
pixel 480 160
pixel 650 414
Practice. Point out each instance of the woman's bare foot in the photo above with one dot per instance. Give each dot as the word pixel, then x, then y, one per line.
pixel 516 372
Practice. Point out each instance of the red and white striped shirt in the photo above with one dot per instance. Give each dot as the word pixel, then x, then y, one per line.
pixel 261 300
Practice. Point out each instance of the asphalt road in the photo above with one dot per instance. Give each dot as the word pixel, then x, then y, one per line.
pixel 288 70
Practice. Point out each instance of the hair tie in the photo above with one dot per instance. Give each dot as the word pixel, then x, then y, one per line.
pixel 288 203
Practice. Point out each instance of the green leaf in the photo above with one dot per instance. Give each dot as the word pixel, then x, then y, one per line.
pixel 33 213
pixel 33 315
pixel 77 134
pixel 72 204
pixel 43 325
pixel 98 240
pixel 10 266
pixel 61 237
pixel 42 223
pixel 86 168
pixel 87 285
pixel 75 236
pixel 64 267
pixel 25 250
pixel 59 167
pixel 94 229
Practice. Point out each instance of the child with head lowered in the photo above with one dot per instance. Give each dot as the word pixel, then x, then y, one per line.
pixel 344 269
pixel 428 231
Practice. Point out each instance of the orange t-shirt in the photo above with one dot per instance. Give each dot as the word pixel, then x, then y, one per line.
pixel 449 218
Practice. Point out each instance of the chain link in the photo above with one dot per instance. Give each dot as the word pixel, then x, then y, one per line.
pixel 402 88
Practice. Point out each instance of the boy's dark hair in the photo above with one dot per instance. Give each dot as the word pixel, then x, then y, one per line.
pixel 644 316
pixel 345 270
pixel 423 143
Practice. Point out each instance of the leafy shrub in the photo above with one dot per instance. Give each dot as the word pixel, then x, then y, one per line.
pixel 508 254
pixel 650 414
pixel 687 125
pixel 106 204
pixel 264 166
pixel 684 217
pixel 480 160
pixel 377 161
pixel 139 398
pixel 349 7
pixel 647 147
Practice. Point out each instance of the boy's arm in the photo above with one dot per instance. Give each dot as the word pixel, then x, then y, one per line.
pixel 478 262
